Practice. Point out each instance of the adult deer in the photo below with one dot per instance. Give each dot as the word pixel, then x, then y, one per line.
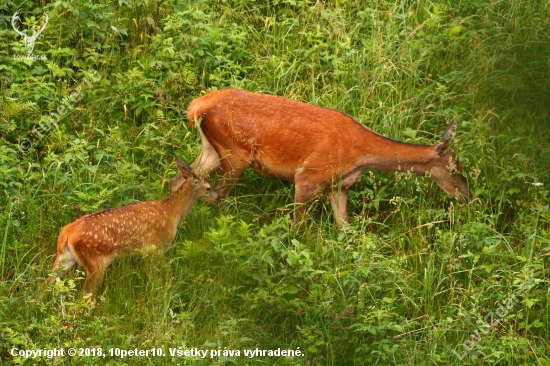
pixel 94 241
pixel 313 146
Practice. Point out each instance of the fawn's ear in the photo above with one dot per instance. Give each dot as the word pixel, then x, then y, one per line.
pixel 446 140
pixel 185 169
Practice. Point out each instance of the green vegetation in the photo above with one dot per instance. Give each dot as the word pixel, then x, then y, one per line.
pixel 416 278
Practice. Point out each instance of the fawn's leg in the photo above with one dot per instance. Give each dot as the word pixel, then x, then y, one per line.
pixel 95 268
pixel 64 262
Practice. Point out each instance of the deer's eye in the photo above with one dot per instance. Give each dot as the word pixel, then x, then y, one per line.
pixel 456 172
pixel 208 189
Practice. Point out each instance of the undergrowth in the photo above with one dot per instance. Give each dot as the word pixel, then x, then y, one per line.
pixel 417 278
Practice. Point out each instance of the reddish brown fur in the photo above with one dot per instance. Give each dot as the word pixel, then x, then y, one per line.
pixel 313 146
pixel 94 241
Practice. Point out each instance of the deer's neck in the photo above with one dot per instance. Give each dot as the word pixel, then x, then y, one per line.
pixel 382 153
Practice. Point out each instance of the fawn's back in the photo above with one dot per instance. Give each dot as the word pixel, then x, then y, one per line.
pixel 121 230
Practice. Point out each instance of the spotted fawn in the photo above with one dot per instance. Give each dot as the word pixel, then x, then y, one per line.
pixel 94 241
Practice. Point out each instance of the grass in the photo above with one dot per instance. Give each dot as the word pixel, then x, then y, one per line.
pixel 418 278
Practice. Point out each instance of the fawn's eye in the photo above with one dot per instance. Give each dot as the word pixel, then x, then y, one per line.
pixel 207 189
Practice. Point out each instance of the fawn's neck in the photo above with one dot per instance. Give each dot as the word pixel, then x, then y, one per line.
pixel 181 202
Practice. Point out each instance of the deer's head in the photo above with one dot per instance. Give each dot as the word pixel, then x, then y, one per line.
pixel 447 170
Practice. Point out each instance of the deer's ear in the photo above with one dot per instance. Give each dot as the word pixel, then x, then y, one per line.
pixel 185 169
pixel 446 140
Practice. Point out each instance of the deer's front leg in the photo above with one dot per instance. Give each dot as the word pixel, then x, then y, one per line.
pixel 339 202
pixel 305 190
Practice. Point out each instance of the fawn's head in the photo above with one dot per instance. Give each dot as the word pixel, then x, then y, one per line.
pixel 447 170
pixel 202 189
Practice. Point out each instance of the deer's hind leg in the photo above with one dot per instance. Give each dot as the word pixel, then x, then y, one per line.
pixel 208 160
pixel 232 166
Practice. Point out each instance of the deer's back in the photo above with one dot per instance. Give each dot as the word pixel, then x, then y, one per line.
pixel 279 135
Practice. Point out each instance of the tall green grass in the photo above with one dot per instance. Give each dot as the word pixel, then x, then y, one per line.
pixel 413 279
